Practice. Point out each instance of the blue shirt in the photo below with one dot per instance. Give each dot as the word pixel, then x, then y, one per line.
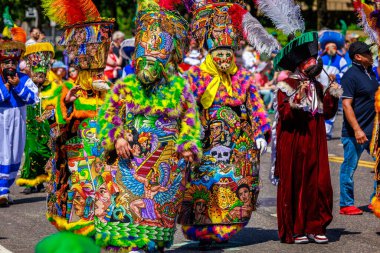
pixel 360 85
pixel 19 95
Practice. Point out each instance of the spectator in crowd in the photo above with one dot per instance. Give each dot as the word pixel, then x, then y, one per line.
pixel 34 35
pixel 359 86
pixel 239 54
pixel 194 57
pixel 334 66
pixel 127 48
pixel 42 36
pixel 113 65
pixel 264 86
pixel 117 38
pixel 250 58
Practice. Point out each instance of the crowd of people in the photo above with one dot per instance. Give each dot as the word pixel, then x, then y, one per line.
pixel 130 136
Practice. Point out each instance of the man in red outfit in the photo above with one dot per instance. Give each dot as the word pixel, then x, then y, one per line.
pixel 304 197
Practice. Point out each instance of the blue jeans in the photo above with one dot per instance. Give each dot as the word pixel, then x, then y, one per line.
pixel 352 153
pixel 267 96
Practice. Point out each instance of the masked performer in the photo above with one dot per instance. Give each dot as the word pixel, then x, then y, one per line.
pixel 151 123
pixel 370 21
pixel 87 37
pixel 16 91
pixel 37 150
pixel 235 124
pixel 304 197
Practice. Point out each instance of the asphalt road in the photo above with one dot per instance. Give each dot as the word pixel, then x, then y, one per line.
pixel 23 224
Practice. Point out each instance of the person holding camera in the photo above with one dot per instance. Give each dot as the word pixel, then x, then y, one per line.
pixel 16 91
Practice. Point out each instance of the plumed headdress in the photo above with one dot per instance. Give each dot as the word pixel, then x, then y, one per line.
pixel 15 37
pixel 218 24
pixel 87 38
pixel 286 16
pixel 369 19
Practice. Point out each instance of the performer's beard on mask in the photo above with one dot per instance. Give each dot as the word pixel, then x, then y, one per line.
pixel 312 67
pixel 9 72
pixel 149 73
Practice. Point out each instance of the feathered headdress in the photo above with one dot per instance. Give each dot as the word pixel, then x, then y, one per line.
pixel 14 45
pixel 87 38
pixel 251 30
pixel 224 24
pixel 285 14
pixel 70 12
pixel 368 20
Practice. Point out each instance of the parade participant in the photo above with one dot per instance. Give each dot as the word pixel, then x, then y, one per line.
pixel 301 166
pixel 361 117
pixel 37 151
pixel 152 124
pixel 235 125
pixel 304 197
pixel 127 48
pixel 71 191
pixel 16 91
pixel 334 66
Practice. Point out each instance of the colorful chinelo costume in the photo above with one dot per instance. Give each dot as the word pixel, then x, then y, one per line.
pixel 37 150
pixel 13 102
pixel 77 151
pixel 370 21
pixel 224 188
pixel 304 196
pixel 136 207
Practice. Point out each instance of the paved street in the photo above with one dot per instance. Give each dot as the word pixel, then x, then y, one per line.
pixel 23 224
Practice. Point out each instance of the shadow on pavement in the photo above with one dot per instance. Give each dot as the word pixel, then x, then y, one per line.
pixel 335 234
pixel 266 202
pixel 365 209
pixel 246 237
pixel 29 200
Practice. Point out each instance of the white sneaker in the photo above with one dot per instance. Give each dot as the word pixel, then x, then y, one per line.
pixel 318 238
pixel 301 239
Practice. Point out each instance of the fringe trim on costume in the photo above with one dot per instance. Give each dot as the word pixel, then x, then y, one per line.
pixel 376 206
pixel 336 92
pixel 33 182
pixel 194 146
pixel 81 227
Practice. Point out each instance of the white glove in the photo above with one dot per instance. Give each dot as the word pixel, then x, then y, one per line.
pixel 261 144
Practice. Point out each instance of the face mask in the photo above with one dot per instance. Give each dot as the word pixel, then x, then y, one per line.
pixel 314 70
pixel 223 59
pixel 148 72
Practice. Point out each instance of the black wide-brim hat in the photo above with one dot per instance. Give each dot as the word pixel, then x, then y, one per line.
pixel 297 51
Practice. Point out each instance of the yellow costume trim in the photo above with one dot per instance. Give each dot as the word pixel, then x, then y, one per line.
pixel 33 182
pixel 39 47
pixel 376 206
pixel 81 227
pixel 218 78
